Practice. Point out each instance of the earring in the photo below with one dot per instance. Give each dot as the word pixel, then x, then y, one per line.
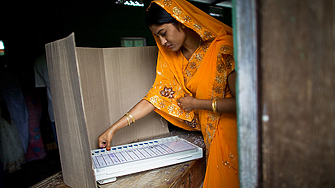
pixel 183 26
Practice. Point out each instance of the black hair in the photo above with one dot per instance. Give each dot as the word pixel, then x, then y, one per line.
pixel 156 15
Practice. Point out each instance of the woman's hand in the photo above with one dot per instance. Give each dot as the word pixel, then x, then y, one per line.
pixel 140 110
pixel 187 102
pixel 105 138
pixel 225 105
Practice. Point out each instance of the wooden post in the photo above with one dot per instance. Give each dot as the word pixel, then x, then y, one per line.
pixel 246 47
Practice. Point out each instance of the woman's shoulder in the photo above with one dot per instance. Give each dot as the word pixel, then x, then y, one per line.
pixel 224 45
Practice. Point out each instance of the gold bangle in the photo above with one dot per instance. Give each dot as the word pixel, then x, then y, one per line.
pixel 128 120
pixel 131 117
pixel 214 105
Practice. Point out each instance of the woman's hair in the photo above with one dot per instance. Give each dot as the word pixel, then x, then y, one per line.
pixel 156 15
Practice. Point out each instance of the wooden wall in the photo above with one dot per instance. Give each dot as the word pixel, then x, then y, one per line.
pixel 297 69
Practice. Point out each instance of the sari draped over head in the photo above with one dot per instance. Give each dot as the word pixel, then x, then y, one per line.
pixel 203 76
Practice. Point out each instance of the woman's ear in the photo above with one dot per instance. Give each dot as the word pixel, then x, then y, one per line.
pixel 180 26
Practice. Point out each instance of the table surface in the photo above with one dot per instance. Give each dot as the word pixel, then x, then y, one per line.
pixel 170 176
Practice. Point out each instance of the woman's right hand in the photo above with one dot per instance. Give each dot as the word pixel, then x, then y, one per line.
pixel 105 138
pixel 140 110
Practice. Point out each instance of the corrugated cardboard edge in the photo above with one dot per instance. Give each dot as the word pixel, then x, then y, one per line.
pixel 69 114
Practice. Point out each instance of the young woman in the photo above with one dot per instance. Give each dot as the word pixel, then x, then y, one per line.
pixel 195 84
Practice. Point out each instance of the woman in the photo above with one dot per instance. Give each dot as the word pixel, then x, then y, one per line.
pixel 195 84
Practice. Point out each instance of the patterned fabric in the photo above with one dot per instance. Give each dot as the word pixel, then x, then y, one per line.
pixel 203 76
pixel 36 147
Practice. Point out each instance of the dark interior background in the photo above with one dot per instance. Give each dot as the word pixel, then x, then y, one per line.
pixel 26 26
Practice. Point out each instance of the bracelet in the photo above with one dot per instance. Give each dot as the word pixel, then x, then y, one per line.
pixel 128 120
pixel 214 105
pixel 131 117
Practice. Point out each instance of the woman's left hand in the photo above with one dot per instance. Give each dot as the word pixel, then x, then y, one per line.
pixel 187 102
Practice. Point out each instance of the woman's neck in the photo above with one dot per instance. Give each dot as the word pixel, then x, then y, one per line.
pixel 192 42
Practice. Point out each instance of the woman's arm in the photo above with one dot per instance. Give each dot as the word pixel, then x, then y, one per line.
pixel 224 105
pixel 140 110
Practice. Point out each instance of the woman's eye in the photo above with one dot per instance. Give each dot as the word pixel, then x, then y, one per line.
pixel 163 34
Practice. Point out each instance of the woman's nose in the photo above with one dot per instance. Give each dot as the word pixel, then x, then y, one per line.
pixel 163 40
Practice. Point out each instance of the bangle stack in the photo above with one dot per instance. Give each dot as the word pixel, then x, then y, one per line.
pixel 214 105
pixel 130 118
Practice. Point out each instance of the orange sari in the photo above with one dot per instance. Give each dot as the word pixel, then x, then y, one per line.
pixel 203 76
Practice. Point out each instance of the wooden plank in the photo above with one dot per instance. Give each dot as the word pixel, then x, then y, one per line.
pixel 193 175
pixel 54 181
pixel 297 59
pixel 246 49
pixel 171 176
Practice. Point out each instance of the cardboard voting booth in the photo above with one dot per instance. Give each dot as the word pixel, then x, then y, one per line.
pixel 91 89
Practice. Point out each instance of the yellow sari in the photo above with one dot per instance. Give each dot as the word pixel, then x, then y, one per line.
pixel 203 76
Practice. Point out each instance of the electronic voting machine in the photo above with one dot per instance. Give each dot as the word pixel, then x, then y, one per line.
pixel 141 156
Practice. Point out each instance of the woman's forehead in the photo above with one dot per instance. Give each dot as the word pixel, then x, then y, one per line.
pixel 157 29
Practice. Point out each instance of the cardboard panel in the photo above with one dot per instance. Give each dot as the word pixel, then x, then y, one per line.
pixel 69 115
pixel 130 73
pixel 113 80
pixel 94 92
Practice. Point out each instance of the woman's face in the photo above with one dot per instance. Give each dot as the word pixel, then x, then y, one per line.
pixel 170 35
